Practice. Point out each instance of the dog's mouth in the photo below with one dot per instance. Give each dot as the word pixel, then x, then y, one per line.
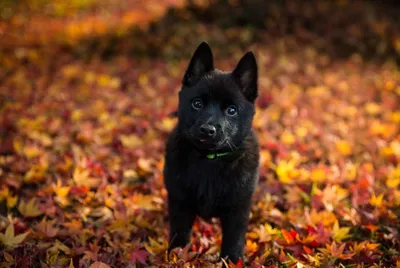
pixel 206 143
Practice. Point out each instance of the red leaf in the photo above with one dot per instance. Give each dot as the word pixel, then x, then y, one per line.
pixel 139 255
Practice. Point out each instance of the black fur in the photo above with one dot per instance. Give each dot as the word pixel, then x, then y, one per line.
pixel 221 187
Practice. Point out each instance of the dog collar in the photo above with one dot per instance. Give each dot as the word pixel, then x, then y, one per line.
pixel 213 156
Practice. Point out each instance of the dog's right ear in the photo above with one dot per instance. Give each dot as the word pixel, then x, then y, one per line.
pixel 201 63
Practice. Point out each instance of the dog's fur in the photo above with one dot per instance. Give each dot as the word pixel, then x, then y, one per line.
pixel 223 186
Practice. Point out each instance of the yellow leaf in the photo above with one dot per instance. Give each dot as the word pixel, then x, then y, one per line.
pixel 145 166
pixel 81 178
pixel 71 264
pixel 9 239
pixel 394 178
pixel 351 171
pixel 318 175
pixel 131 174
pixel 343 147
pixel 11 201
pixel 109 202
pixel 395 116
pixel 29 209
pixel 301 132
pixel 130 141
pixel 36 174
pixel 18 145
pixel 76 115
pixel 395 146
pixel 287 138
pixel 155 247
pixel 167 124
pixel 386 151
pixel 265 158
pixel 286 170
pixel 372 108
pixel 4 193
pixel 339 233
pixel 251 246
pixel 376 200
pixel 389 85
pixel 31 151
pixel 61 194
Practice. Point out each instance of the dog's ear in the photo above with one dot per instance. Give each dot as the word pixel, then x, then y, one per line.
pixel 201 63
pixel 246 74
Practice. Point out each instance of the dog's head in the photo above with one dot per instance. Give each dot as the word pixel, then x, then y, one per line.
pixel 216 108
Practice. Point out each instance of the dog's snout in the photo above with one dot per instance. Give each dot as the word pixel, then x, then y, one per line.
pixel 208 130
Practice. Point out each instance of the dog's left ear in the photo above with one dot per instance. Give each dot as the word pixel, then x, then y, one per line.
pixel 201 63
pixel 246 74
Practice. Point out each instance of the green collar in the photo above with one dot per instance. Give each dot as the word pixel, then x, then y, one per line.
pixel 213 156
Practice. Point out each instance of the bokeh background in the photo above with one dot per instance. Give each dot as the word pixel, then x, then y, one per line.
pixel 86 92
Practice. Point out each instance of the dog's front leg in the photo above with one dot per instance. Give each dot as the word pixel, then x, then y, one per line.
pixel 234 227
pixel 181 218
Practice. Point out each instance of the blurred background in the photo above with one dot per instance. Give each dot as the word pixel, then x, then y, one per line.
pixel 86 90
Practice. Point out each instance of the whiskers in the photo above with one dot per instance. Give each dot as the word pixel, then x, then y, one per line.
pixel 227 142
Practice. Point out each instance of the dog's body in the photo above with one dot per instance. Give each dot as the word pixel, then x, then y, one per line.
pixel 212 156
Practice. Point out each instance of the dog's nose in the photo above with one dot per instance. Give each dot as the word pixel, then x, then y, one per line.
pixel 208 130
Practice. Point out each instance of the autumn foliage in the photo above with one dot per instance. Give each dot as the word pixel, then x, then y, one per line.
pixel 86 92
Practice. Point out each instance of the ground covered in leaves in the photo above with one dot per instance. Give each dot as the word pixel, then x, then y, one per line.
pixel 85 98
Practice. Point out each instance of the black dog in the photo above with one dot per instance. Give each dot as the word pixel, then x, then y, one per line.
pixel 212 156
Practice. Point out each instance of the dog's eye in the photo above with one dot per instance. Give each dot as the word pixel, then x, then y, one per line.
pixel 231 110
pixel 197 104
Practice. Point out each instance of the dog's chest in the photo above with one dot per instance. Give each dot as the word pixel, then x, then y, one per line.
pixel 209 187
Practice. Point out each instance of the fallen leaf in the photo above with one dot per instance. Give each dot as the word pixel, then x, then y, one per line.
pixel 30 208
pixel 9 239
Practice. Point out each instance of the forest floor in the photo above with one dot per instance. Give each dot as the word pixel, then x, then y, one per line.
pixel 86 90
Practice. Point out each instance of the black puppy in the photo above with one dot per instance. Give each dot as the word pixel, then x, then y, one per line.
pixel 212 156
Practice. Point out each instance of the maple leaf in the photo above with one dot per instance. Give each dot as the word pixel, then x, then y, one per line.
pixel 343 147
pixel 47 228
pixel 357 248
pixel 315 260
pixel 318 174
pixel 131 141
pixel 336 251
pixel 145 166
pixel 102 213
pixel 56 247
pixel 61 194
pixel 340 233
pixel 156 247
pixel 393 179
pixel 36 173
pixel 286 170
pixel 12 201
pixel 81 178
pixel 9 239
pixel 376 201
pixel 93 253
pixel 139 255
pixel 167 124
pixel 251 246
pixel 29 209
